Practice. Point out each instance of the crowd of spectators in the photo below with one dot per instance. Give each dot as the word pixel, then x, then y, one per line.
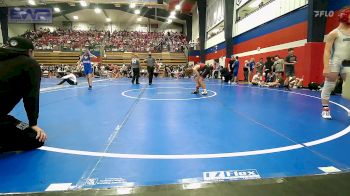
pixel 113 70
pixel 60 39
pixel 121 41
pixel 133 41
pixel 273 72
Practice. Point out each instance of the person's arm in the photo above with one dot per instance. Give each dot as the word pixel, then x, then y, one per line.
pixel 296 60
pixel 31 99
pixel 92 55
pixel 31 92
pixel 65 77
pixel 330 38
pixel 287 61
pixel 195 70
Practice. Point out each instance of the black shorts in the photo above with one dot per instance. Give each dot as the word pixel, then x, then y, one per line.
pixel 289 71
pixel 205 72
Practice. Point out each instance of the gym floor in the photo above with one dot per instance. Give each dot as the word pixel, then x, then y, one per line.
pixel 124 135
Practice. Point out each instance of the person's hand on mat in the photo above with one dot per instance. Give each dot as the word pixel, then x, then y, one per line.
pixel 40 134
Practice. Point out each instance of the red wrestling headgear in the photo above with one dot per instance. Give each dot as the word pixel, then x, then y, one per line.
pixel 344 16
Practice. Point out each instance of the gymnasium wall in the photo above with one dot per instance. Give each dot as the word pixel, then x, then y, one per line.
pixel 267 13
pixel 285 26
pixel 219 38
pixel 195 23
pixel 274 38
pixel 19 29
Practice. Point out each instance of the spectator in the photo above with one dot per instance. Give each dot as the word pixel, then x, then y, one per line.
pixel 279 82
pixel 257 79
pixel 235 70
pixel 19 79
pixel 260 66
pixel 251 69
pixel 268 66
pixel 278 65
pixel 246 70
pixel 289 63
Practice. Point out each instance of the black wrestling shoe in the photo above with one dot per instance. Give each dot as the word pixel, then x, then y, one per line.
pixel 195 92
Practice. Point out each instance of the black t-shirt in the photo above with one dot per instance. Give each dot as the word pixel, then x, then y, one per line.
pixel 20 78
pixel 246 67
pixel 231 62
pixel 268 65
pixel 290 59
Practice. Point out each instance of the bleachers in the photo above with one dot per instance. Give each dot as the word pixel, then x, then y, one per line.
pixel 116 58
pixel 56 58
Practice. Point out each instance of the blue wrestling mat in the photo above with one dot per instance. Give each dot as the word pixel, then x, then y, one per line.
pixel 119 134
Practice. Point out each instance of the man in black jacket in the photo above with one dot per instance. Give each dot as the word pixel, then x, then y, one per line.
pixel 19 79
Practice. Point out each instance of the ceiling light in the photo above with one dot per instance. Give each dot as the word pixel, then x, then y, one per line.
pixel 75 17
pixel 132 5
pixel 177 7
pixel 31 2
pixel 97 10
pixel 108 19
pixel 137 11
pixel 83 3
pixel 56 9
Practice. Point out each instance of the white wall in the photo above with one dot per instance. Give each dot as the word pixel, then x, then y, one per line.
pixel 222 61
pixel 242 2
pixel 52 27
pixel 19 29
pixel 271 11
pixel 209 62
pixel 215 40
pixel 215 13
pixel 195 23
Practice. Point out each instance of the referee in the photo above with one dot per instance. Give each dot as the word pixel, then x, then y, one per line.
pixel 151 62
pixel 19 79
pixel 135 65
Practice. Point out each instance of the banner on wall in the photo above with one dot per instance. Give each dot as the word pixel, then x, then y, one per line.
pixel 29 15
